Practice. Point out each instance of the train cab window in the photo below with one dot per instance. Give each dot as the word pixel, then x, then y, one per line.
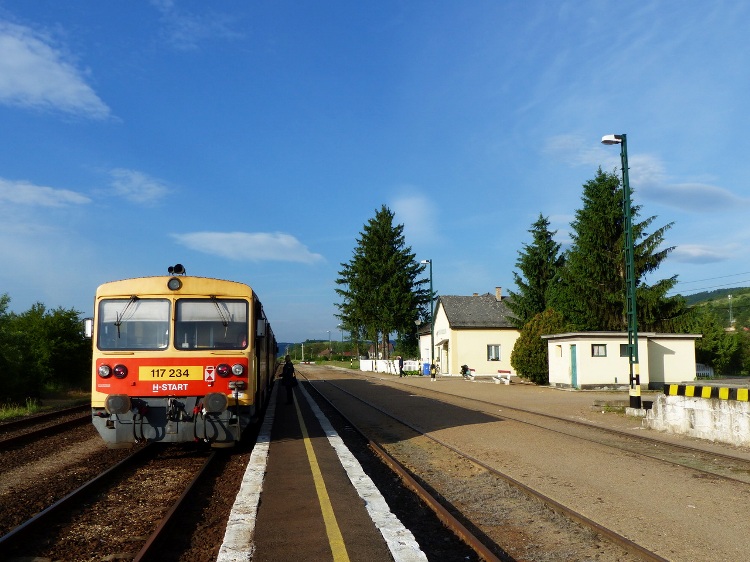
pixel 134 323
pixel 211 324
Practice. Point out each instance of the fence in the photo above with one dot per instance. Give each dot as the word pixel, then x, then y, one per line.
pixel 388 365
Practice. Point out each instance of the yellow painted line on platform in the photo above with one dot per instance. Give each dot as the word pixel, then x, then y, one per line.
pixel 706 392
pixel 673 390
pixel 724 393
pixel 742 394
pixel 689 390
pixel 335 538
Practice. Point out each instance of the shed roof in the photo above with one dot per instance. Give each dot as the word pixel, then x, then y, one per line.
pixel 478 311
pixel 618 335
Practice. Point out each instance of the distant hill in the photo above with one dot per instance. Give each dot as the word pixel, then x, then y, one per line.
pixel 733 311
pixel 715 295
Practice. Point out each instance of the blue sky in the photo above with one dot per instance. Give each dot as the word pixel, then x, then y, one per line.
pixel 254 140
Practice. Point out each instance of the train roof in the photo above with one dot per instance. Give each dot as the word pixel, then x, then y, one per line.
pixel 189 285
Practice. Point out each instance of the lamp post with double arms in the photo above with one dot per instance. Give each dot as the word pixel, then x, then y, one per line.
pixel 432 315
pixel 631 316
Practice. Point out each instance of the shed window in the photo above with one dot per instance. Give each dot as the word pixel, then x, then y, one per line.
pixel 598 350
pixel 493 353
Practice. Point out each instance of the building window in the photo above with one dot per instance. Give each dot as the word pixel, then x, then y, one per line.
pixel 624 350
pixel 493 353
pixel 598 350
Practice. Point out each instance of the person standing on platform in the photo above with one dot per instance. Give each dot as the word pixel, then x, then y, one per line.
pixel 287 378
pixel 400 366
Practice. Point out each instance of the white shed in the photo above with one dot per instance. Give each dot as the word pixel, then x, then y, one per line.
pixel 600 359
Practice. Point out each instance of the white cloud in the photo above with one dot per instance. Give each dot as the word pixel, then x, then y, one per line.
pixel 28 194
pixel 184 30
pixel 33 73
pixel 419 215
pixel 699 254
pixel 695 197
pixel 137 187
pixel 647 176
pixel 249 246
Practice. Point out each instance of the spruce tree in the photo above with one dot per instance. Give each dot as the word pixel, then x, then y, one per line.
pixel 539 263
pixel 379 290
pixel 591 289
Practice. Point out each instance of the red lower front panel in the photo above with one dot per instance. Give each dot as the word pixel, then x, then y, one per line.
pixel 153 376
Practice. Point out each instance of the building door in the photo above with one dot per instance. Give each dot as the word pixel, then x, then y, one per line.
pixel 573 367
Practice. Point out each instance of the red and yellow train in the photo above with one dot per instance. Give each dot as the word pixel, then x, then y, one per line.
pixel 179 358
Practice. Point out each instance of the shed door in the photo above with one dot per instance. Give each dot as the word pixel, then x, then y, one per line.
pixel 573 367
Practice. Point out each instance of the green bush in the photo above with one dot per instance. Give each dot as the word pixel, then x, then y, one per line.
pixel 529 357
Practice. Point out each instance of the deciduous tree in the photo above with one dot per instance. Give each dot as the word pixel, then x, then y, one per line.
pixel 529 357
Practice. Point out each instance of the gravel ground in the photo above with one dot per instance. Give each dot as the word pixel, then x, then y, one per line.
pixel 682 516
pixel 678 513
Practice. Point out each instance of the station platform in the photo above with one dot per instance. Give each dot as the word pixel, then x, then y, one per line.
pixel 305 497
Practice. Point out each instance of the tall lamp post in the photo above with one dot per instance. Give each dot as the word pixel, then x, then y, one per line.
pixel 635 377
pixel 432 315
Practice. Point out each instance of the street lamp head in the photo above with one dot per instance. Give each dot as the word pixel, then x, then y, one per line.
pixel 426 261
pixel 611 139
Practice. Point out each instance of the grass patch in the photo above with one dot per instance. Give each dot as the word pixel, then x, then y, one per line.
pixel 49 401
pixel 11 411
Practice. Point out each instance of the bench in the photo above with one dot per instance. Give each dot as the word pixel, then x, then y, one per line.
pixel 502 377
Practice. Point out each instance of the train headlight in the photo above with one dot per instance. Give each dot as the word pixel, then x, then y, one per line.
pixel 120 371
pixel 238 370
pixel 174 284
pixel 215 402
pixel 104 371
pixel 117 404
pixel 223 370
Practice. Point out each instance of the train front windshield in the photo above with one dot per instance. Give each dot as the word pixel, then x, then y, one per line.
pixel 144 324
pixel 211 324
pixel 131 324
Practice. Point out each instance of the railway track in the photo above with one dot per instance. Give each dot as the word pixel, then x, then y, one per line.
pixel 444 515
pixel 462 417
pixel 489 551
pixel 31 428
pixel 732 468
pixel 122 512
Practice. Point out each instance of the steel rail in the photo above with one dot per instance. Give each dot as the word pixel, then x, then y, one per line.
pixel 48 431
pixel 610 431
pixel 154 541
pixel 559 508
pixel 41 518
pixel 26 421
pixel 606 430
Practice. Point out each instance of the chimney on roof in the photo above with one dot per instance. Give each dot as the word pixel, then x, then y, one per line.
pixel 499 293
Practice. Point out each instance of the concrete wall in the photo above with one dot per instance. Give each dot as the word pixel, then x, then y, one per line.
pixel 726 421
